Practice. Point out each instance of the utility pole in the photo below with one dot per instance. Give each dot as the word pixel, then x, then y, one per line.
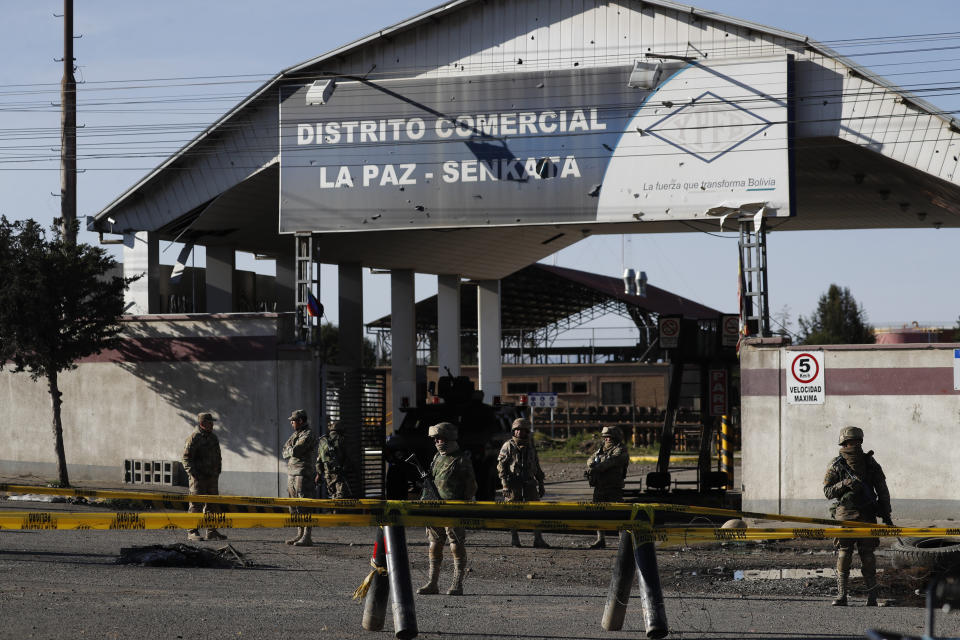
pixel 68 133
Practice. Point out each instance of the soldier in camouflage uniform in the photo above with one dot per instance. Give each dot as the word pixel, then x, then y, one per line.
pixel 520 474
pixel 299 451
pixel 452 473
pixel 856 481
pixel 201 461
pixel 334 464
pixel 606 471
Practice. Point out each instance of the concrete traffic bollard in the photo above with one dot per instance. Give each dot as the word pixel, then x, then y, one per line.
pixel 651 593
pixel 621 582
pixel 401 587
pixel 375 602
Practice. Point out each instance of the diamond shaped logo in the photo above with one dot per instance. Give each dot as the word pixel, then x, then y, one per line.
pixel 708 127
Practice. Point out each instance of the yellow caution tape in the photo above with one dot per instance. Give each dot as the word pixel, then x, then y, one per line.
pixel 473 515
pixel 134 521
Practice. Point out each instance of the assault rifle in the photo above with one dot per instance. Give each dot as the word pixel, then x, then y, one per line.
pixel 868 490
pixel 430 491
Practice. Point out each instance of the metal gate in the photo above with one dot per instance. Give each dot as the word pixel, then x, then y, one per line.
pixel 357 398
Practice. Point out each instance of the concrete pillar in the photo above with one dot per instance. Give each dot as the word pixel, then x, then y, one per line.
pixel 141 256
pixel 488 338
pixel 403 338
pixel 221 263
pixel 350 278
pixel 448 323
pixel 285 283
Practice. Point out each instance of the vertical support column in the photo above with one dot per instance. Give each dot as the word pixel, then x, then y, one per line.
pixel 403 336
pixel 488 338
pixel 350 279
pixel 221 263
pixel 141 256
pixel 448 324
pixel 285 283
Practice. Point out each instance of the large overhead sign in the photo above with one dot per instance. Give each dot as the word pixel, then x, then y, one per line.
pixel 546 147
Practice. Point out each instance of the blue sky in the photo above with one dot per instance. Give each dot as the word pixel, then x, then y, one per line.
pixel 898 276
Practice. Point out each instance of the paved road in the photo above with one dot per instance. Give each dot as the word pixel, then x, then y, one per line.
pixel 66 584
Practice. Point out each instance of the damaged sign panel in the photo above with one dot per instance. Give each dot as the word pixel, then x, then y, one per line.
pixel 545 147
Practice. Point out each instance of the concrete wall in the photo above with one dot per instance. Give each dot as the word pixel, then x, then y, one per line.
pixel 902 396
pixel 141 400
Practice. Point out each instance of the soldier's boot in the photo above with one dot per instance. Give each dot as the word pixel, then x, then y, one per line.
pixel 193 535
pixel 868 562
pixel 515 538
pixel 844 559
pixel 294 539
pixel 459 568
pixel 539 542
pixel 600 542
pixel 436 561
pixel 306 540
pixel 213 534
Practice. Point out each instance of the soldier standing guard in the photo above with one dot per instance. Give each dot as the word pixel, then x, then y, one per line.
pixel 333 462
pixel 520 474
pixel 606 471
pixel 202 461
pixel 299 451
pixel 856 481
pixel 452 473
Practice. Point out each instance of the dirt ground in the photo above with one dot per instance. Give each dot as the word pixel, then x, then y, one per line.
pixel 56 584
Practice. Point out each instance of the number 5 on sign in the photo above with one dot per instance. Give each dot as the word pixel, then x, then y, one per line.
pixel 805 380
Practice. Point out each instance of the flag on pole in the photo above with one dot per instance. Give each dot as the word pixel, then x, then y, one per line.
pixel 314 308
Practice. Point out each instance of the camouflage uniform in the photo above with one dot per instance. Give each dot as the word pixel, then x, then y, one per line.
pixel 300 451
pixel 520 474
pixel 857 483
pixel 333 462
pixel 452 473
pixel 202 462
pixel 606 471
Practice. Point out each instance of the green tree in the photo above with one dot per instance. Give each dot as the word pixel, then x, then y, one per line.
pixel 57 304
pixel 837 320
pixel 330 347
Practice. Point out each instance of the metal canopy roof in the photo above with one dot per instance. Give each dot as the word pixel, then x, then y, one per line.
pixel 863 171
pixel 541 295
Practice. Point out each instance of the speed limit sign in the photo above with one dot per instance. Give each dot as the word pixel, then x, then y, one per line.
pixel 805 377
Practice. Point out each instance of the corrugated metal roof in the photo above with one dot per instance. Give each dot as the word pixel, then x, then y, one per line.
pixel 456 5
pixel 540 295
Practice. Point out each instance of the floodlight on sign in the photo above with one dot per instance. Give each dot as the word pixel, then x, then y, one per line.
pixel 645 75
pixel 320 91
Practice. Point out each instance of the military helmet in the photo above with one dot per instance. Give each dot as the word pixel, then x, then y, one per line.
pixel 613 432
pixel 445 430
pixel 298 414
pixel 521 423
pixel 205 416
pixel 851 433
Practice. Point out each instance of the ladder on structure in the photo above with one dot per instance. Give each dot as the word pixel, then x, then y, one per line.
pixel 754 304
pixel 307 273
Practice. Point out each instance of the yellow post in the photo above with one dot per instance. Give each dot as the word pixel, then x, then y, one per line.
pixel 726 451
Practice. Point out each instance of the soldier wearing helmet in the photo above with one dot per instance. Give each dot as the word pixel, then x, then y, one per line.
pixel 855 481
pixel 606 471
pixel 520 474
pixel 452 473
pixel 299 451
pixel 334 463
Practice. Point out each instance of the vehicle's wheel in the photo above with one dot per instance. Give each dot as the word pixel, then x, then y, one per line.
pixel 931 553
